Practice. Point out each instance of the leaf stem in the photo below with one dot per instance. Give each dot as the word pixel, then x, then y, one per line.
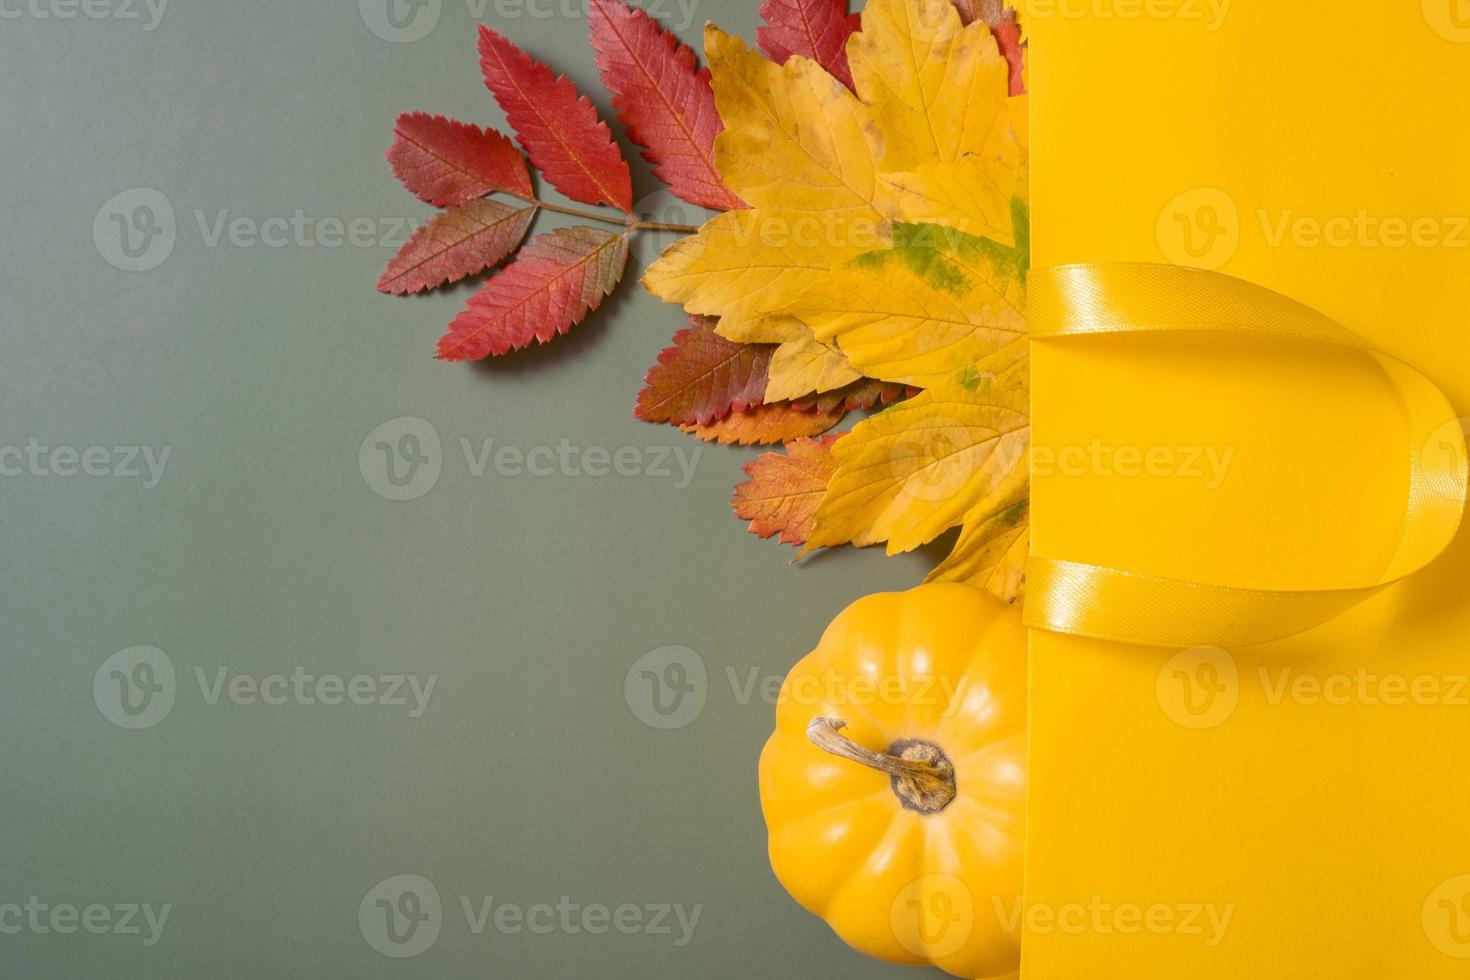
pixel 628 222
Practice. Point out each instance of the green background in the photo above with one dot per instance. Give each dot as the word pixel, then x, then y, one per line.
pixel 264 548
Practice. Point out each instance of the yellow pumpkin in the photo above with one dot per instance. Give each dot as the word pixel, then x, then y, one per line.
pixel 894 785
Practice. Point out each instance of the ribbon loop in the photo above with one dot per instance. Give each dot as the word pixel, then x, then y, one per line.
pixel 1115 604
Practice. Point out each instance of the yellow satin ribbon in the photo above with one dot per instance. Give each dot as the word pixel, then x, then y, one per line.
pixel 1115 604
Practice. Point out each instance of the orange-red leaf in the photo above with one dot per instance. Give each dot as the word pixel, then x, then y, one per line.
pixel 666 103
pixel 703 377
pixel 1008 36
pixel 784 489
pixel 456 243
pixel 559 128
pixel 446 162
pixel 815 29
pixel 765 425
pixel 858 396
pixel 548 289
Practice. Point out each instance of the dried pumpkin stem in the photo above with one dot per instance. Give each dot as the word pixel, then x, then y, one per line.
pixel 921 774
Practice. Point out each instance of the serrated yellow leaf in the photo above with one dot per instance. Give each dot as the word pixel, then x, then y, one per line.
pixel 936 87
pixel 923 466
pixel 801 149
pixel 991 553
pixel 744 264
pixel 803 365
pixel 795 138
pixel 934 305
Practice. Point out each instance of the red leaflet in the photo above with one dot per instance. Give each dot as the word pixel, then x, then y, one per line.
pixel 446 162
pixel 1008 36
pixel 765 425
pixel 548 289
pixel 815 29
pixel 783 491
pixel 454 244
pixel 560 129
pixel 858 396
pixel 667 105
pixel 703 377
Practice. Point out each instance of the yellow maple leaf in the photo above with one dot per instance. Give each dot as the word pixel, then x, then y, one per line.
pixel 816 246
pixel 936 87
pixel 800 365
pixel 923 466
pixel 803 365
pixel 887 238
pixel 795 137
pixel 991 553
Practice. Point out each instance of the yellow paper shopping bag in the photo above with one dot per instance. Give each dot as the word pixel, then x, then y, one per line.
pixel 1296 808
